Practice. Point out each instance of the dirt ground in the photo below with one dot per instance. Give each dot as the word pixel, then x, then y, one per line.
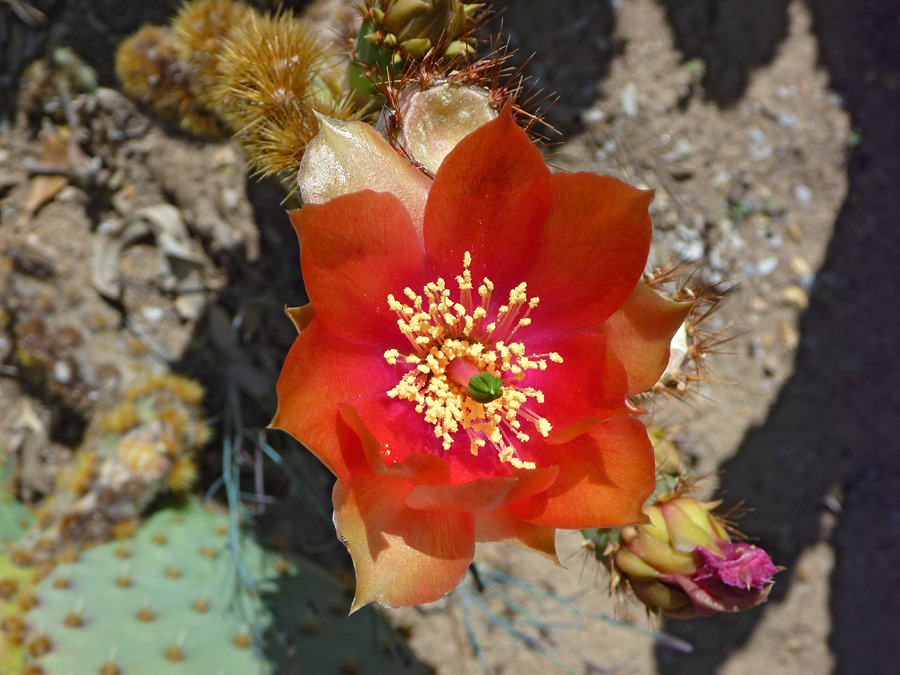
pixel 770 132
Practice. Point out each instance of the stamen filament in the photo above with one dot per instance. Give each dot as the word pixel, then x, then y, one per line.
pixel 464 369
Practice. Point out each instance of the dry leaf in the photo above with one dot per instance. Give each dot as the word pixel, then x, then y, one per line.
pixel 45 187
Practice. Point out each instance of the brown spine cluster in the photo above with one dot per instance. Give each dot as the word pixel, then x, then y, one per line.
pixel 274 74
pixel 222 68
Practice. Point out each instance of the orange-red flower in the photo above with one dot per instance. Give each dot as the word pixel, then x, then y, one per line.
pixel 464 366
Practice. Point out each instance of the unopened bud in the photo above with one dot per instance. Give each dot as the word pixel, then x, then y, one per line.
pixel 683 563
pixel 419 25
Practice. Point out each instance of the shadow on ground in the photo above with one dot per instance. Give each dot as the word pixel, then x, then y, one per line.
pixel 833 425
pixel 566 49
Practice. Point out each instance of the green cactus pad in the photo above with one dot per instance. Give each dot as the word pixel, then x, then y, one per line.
pixel 172 599
pixel 15 519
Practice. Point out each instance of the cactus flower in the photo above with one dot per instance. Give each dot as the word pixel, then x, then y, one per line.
pixel 465 363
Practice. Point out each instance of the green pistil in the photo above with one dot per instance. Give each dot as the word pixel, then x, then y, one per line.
pixel 485 387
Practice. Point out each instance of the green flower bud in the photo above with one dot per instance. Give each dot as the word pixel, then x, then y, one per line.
pixel 417 23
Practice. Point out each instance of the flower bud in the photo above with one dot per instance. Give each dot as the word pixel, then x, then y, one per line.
pixel 683 563
pixel 419 25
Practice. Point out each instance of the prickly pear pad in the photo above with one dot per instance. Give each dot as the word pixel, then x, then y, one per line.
pixel 172 595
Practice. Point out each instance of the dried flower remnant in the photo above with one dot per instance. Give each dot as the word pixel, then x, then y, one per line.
pixel 684 564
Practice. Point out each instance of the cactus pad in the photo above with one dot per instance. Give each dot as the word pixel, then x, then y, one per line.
pixel 172 599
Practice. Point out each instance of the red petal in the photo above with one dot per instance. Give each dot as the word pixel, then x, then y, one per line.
pixel 406 458
pixel 590 384
pixel 355 250
pixel 501 525
pixel 483 494
pixel 604 477
pixel 490 197
pixel 402 556
pixel 397 433
pixel 640 334
pixel 320 372
pixel 591 253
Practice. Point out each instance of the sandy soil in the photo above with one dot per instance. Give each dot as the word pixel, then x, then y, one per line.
pixel 768 130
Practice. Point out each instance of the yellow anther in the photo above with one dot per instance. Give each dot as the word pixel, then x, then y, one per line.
pixel 443 330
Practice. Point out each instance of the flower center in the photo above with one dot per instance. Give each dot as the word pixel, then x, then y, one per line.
pixel 467 371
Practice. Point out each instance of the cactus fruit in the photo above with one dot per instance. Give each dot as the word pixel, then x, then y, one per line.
pixel 137 451
pixel 172 594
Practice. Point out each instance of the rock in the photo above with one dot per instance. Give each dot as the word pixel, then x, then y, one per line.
pixel 795 296
pixel 629 100
pixel 682 150
pixel 800 266
pixel 766 266
pixel 803 195
pixel 794 231
pixel 758 147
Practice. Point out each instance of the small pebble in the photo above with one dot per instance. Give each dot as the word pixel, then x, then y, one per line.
pixel 795 296
pixel 107 226
pixel 629 100
pixel 790 338
pixel 757 304
pixel 773 240
pixel 787 120
pixel 800 266
pixel 803 195
pixel 682 150
pixel 766 266
pixel 592 116
pixel 716 261
pixel 62 372
pixel 152 314
pixel 758 147
pixel 230 199
pixel 692 251
pixel 794 231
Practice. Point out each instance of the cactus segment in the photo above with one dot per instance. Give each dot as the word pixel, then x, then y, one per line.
pixel 174 595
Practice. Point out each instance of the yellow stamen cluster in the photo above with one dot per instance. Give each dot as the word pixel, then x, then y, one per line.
pixel 441 332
